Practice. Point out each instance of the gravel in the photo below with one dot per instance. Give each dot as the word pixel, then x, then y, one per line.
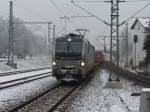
pixel 13 96
pixel 94 97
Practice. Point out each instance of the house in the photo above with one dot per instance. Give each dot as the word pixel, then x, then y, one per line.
pixel 136 37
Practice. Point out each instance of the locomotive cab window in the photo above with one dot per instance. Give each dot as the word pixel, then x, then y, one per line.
pixel 69 49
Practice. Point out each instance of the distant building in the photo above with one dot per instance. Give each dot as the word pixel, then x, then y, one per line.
pixel 137 32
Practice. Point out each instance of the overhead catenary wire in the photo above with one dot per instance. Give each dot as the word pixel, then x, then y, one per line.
pixel 62 13
pixel 138 1
pixel 145 17
pixel 85 10
pixel 106 0
pixel 79 16
pixel 57 7
pixel 136 13
pixel 31 11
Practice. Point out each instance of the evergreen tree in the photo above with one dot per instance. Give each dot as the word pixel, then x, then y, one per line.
pixel 147 46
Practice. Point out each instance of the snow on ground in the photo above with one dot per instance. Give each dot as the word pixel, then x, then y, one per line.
pixel 35 62
pixel 10 97
pixel 15 95
pixel 22 75
pixel 96 98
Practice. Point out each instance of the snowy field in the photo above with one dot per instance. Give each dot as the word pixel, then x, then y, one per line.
pixel 35 62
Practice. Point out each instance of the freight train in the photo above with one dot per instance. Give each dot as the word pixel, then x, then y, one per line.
pixel 74 57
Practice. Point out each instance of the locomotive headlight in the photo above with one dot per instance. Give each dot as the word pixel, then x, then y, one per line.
pixel 69 39
pixel 82 64
pixel 54 63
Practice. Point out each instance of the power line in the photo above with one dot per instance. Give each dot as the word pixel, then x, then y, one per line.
pixel 88 1
pixel 33 22
pixel 138 1
pixel 76 13
pixel 142 17
pixel 140 10
pixel 31 11
pixel 73 24
pixel 85 10
pixel 64 15
pixel 57 7
pixel 106 1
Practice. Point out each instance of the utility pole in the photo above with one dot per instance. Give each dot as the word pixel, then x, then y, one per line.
pixel 105 44
pixel 114 41
pixel 48 38
pixel 104 38
pixel 53 47
pixel 126 46
pixel 65 21
pixel 10 49
pixel 49 28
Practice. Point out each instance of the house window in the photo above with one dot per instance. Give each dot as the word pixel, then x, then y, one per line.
pixel 135 38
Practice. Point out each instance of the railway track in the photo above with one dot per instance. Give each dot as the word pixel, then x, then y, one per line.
pixel 137 76
pixel 140 77
pixel 20 81
pixel 46 102
pixel 50 100
pixel 22 71
pixel 20 77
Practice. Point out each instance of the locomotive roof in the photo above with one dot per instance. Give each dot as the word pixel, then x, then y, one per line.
pixel 73 37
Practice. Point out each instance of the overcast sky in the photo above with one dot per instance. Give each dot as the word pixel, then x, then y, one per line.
pixel 44 10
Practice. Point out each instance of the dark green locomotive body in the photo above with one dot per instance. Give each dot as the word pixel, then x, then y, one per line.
pixel 73 57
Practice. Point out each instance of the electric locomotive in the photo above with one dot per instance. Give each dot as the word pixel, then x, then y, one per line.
pixel 73 57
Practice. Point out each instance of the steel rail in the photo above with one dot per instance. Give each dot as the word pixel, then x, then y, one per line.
pixel 71 92
pixel 53 105
pixel 49 98
pixel 23 78
pixel 34 98
pixel 139 77
pixel 22 71
pixel 23 81
pixel 63 99
pixel 55 100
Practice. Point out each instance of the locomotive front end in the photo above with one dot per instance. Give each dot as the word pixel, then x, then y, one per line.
pixel 68 63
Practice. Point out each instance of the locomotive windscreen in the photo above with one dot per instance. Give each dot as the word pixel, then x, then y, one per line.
pixel 68 50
